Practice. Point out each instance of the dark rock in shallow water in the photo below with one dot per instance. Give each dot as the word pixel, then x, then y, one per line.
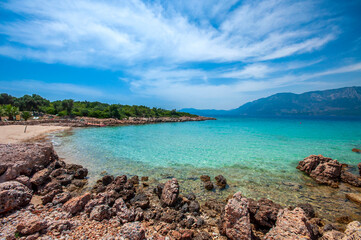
pixel 355 197
pixel 64 179
pixel 308 209
pixel 190 196
pixel 81 173
pixel 205 178
pixel 107 179
pixel 356 150
pixel 134 180
pixel 13 195
pixel 359 168
pixel 170 192
pixel 208 185
pixel 350 178
pixel 221 181
pixel 322 169
pixel 263 212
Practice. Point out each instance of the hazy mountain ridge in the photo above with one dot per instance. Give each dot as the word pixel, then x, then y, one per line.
pixel 335 102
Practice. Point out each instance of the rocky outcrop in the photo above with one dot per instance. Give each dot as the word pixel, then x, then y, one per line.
pixel 263 213
pixel 322 169
pixel 77 204
pixel 291 224
pixel 25 159
pixel 170 192
pixel 236 223
pixel 13 195
pixel 133 231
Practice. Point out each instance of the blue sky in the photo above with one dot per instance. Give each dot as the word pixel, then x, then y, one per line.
pixel 176 54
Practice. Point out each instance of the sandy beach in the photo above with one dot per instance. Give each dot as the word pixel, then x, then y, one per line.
pixel 15 133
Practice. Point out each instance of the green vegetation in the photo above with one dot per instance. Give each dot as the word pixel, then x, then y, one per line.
pixel 69 107
pixel 26 115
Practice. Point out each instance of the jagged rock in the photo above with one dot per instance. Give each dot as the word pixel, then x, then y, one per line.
pixel 60 225
pixel 61 198
pixel 72 168
pixel 291 224
pixel 133 231
pixel 81 173
pixel 205 178
pixel 100 212
pixel 322 169
pixel 350 178
pixel 79 182
pixel 41 177
pixel 49 197
pixel 194 207
pixel 170 192
pixel 208 185
pixel 31 225
pixel 353 231
pixel 64 179
pixel 24 180
pixel 308 209
pixel 355 197
pixel 221 181
pixel 77 204
pixel 13 195
pixel 51 186
pixel 57 164
pixel 123 212
pixel 57 172
pixel 158 190
pixel 263 212
pixel 333 235
pixel 236 222
pixel 25 159
pixel 134 180
pixel 140 200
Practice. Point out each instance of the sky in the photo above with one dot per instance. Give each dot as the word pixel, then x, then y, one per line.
pixel 204 54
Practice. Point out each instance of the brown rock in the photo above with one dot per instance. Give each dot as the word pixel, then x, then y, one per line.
pixel 31 225
pixel 24 180
pixel 51 186
pixel 41 177
pixel 64 179
pixel 133 231
pixel 263 212
pixel 140 200
pixel 221 181
pixel 350 178
pixel 353 231
pixel 58 172
pixel 100 212
pixel 13 195
pixel 81 173
pixel 49 197
pixel 236 222
pixel 123 212
pixel 170 192
pixel 25 159
pixel 291 224
pixel 208 185
pixel 333 235
pixel 205 178
pixel 355 197
pixel 359 168
pixel 61 198
pixel 356 150
pixel 77 204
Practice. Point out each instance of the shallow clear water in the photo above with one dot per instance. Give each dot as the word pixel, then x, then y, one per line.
pixel 258 156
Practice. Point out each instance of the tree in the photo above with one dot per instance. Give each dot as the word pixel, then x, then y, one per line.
pixel 26 115
pixel 68 105
pixel 2 111
pixel 11 111
pixel 6 99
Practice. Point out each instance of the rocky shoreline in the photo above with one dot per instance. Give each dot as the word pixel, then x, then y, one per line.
pixel 97 122
pixel 42 197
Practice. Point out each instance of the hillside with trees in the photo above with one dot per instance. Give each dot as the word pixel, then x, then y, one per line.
pixel 11 106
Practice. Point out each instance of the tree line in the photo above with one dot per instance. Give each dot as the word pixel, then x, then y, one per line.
pixel 11 106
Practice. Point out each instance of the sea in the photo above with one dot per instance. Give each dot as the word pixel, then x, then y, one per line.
pixel 258 157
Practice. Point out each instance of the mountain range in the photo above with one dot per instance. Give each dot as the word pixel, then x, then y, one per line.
pixel 334 102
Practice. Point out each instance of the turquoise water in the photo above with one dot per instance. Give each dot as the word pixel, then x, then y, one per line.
pixel 257 156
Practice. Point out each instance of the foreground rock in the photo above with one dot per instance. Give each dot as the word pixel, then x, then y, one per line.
pixel 133 231
pixel 291 224
pixel 13 195
pixel 31 225
pixel 236 222
pixel 24 159
pixel 170 192
pixel 77 204
pixel 327 171
pixel 355 197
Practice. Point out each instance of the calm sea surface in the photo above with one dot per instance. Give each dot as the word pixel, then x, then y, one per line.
pixel 258 156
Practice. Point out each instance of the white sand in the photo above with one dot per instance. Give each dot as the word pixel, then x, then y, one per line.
pixel 15 133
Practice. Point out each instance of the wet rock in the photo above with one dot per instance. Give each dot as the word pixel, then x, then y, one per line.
pixel 205 178
pixel 308 209
pixel 134 180
pixel 263 212
pixel 170 192
pixel 221 181
pixel 79 182
pixel 133 231
pixel 24 180
pixel 190 196
pixel 120 180
pixel 350 178
pixel 98 188
pixel 140 200
pixel 77 204
pixel 81 173
pixel 31 225
pixel 100 212
pixel 236 222
pixel 25 159
pixel 64 179
pixel 123 212
pixel 49 197
pixel 51 186
pixel 208 185
pixel 291 224
pixel 344 219
pixel 322 169
pixel 57 172
pixel 144 179
pixel 61 198
pixel 107 179
pixel 13 195
pixel 333 235
pixel 72 168
pixel 41 177
pixel 356 150
pixel 355 197
pixel 57 164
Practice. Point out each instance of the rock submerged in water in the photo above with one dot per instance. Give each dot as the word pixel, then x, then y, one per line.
pixel 356 150
pixel 221 181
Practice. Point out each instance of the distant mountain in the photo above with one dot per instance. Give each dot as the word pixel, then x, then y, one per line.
pixel 209 112
pixel 335 102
